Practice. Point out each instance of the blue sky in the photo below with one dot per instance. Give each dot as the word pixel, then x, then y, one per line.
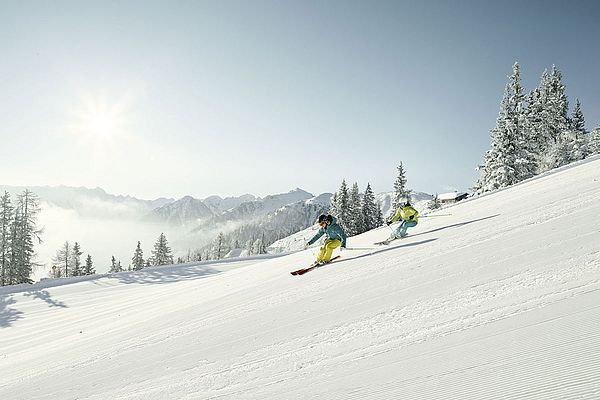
pixel 229 97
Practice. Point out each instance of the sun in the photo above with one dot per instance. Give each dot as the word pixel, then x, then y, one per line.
pixel 99 120
pixel 100 124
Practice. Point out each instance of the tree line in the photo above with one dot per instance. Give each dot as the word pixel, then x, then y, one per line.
pixel 534 133
pixel 67 261
pixel 359 212
pixel 18 234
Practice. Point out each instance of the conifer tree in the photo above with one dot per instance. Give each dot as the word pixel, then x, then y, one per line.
pixel 379 216
pixel 355 218
pixel 138 258
pixel 333 205
pixel 62 260
pixel 508 161
pixel 220 247
pixel 249 249
pixel 369 210
pixel 89 266
pixel 113 265
pixel 258 247
pixel 161 255
pixel 594 144
pixel 558 104
pixel 343 206
pixel 23 235
pixel 6 217
pixel 14 251
pixel 76 260
pixel 401 192
pixel 435 202
pixel 578 135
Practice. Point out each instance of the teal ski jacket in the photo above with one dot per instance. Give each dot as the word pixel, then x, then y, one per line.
pixel 333 232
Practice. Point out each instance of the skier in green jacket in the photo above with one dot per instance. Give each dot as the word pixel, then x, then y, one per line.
pixel 335 237
pixel 409 217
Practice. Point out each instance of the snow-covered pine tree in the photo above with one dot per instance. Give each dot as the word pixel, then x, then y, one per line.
pixel 434 204
pixel 579 135
pixel 369 210
pixel 343 206
pixel 62 259
pixel 401 192
pixel 379 216
pixel 536 141
pixel 334 205
pixel 508 161
pixel 526 157
pixel 76 253
pixel 258 247
pixel 558 104
pixel 559 153
pixel 14 251
pixel 594 143
pixel 89 266
pixel 26 232
pixel 161 255
pixel 113 265
pixel 6 218
pixel 219 247
pixel 555 121
pixel 355 220
pixel 138 257
pixel 248 247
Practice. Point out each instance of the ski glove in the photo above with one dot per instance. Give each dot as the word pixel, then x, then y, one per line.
pixel 388 223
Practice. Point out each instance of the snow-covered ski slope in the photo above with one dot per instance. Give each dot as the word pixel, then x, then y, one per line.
pixel 500 300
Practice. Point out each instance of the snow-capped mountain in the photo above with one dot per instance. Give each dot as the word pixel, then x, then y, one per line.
pixel 218 204
pixel 183 211
pixel 215 210
pixel 263 206
pixel 90 202
pixel 280 223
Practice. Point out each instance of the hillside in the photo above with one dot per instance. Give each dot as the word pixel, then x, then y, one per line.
pixel 499 300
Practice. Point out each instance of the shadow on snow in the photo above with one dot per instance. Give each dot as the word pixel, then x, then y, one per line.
pixel 385 249
pixel 161 275
pixel 44 295
pixel 454 225
pixel 8 315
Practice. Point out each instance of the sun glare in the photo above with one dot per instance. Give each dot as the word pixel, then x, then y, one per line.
pixel 100 121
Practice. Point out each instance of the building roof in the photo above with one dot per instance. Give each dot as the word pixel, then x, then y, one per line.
pixel 450 195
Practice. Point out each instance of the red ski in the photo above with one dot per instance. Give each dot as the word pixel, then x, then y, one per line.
pixel 305 270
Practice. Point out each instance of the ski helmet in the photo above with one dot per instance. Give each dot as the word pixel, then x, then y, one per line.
pixel 322 218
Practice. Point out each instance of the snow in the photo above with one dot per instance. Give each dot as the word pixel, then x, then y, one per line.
pixel 498 300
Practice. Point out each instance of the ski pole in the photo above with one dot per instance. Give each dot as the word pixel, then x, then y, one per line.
pixel 438 215
pixel 360 248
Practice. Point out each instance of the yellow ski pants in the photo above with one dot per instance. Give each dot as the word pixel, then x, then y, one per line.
pixel 327 249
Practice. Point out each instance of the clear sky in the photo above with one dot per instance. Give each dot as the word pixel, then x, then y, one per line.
pixel 230 97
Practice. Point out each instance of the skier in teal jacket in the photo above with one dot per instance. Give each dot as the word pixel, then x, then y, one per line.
pixel 335 237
